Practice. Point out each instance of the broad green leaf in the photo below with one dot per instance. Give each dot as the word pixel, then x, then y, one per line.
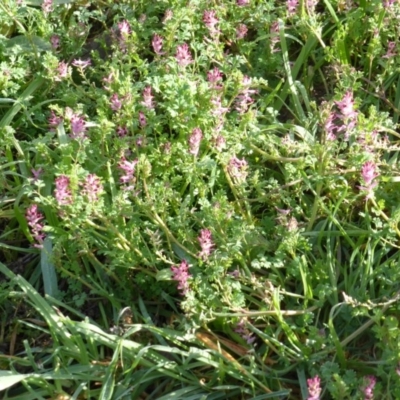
pixel 48 269
pixel 10 378
pixel 27 44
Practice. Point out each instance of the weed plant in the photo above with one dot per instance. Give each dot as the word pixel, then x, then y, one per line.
pixel 199 200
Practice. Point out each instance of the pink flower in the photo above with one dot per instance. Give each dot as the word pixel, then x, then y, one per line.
pixel 211 21
pixel 115 102
pixel 391 50
pixel 311 4
pixel 220 143
pixel 241 31
pixel 47 6
pixel 62 71
pixel 82 64
pixel 78 127
pixel 33 217
pixel 292 6
pixel 62 191
pixel 206 244
pixel 181 275
pixel 128 167
pixel 36 173
pixel 147 98
pixel 274 36
pixel 124 28
pixel 122 131
pixel 214 76
pixel 314 388
pixel 55 42
pixel 368 174
pixel 242 3
pixel 142 119
pixel 346 106
pixel 330 127
pixel 183 56
pixel 157 43
pixel 54 121
pixel 92 187
pixel 241 328
pixel 167 16
pixel 388 3
pixel 369 387
pixel 237 169
pixel 194 141
pixel 243 100
pixel 218 110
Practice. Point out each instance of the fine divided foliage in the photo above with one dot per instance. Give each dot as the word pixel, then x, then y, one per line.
pixel 199 199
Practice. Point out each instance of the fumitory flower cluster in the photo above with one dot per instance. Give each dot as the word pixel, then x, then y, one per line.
pixel 237 169
pixel 92 187
pixel 33 216
pixel 368 175
pixel 181 275
pixel 243 100
pixel 368 389
pixel 206 243
pixel 62 192
pixel 211 21
pixel 343 120
pixel 242 330
pixel 194 141
pixel 183 56
pixel 128 177
pixel 314 388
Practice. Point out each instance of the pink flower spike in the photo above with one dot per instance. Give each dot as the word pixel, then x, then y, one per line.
pixel 36 173
pixel 211 21
pixel 369 387
pixel 122 131
pixel 391 50
pixel 292 6
pixel 157 43
pixel 115 102
pixel 330 127
pixel 242 3
pixel 128 167
pixel 242 330
pixel 33 217
pixel 241 31
pixel 147 98
pixel 54 121
pixel 346 106
pixel 62 71
pixel 237 169
pixel 142 119
pixel 82 64
pixel 183 56
pixel 124 28
pixel 206 243
pixel 55 42
pixel 62 193
pixel 47 6
pixel 92 187
pixel 314 388
pixel 181 275
pixel 368 172
pixel 78 127
pixel 194 141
